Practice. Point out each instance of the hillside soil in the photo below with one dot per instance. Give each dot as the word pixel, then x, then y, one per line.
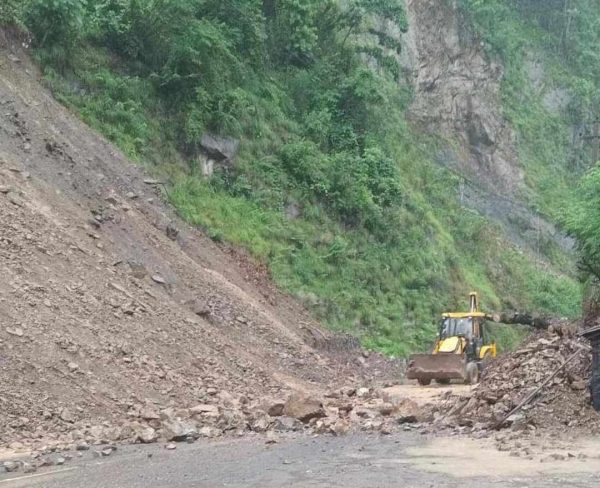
pixel 115 316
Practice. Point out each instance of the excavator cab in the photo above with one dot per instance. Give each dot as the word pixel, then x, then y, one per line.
pixel 461 350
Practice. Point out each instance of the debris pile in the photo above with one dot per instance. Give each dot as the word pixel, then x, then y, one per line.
pixel 120 323
pixel 555 363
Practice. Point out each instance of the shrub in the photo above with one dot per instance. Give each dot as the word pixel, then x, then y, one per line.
pixel 55 22
pixel 10 12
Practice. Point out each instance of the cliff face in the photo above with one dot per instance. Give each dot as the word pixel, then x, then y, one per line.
pixel 457 99
pixel 457 93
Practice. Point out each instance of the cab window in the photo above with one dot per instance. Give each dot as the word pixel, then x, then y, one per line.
pixel 451 327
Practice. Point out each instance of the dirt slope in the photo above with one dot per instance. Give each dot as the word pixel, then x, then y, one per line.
pixel 108 301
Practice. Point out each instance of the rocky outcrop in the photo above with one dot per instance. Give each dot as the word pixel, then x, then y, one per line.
pixel 457 99
pixel 457 93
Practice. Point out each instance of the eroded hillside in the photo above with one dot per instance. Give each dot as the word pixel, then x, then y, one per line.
pixel 109 302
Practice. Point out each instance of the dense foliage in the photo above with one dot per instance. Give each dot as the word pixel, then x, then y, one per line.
pixel 583 222
pixel 10 12
pixel 331 187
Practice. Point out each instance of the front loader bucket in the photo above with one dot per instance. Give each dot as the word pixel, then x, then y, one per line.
pixel 427 367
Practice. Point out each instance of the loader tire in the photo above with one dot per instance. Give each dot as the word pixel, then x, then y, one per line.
pixel 424 382
pixel 472 374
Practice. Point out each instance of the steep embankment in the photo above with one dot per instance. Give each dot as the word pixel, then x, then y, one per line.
pixel 110 304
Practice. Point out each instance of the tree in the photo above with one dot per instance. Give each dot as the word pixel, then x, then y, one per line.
pixel 583 222
pixel 54 22
pixel 10 11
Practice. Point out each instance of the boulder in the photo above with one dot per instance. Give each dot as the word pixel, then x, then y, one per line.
pixel 276 409
pixel 146 435
pixel 10 466
pixel 286 424
pixel 261 424
pixel 408 412
pixel 178 430
pixel 303 408
pixel 363 392
pixel 341 427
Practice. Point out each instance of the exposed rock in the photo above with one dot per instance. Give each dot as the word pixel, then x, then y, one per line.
pixel 287 424
pixel 146 435
pixel 205 409
pixel 10 466
pixel 148 412
pixel 457 91
pixel 516 375
pixel 386 409
pixel 215 150
pixel 303 408
pixel 408 412
pixel 363 392
pixel 262 424
pixel 276 409
pixel 82 446
pixel 341 427
pixel 158 279
pixel 199 307
pixel 138 270
pixel 178 430
pixel 210 432
pixel 67 416
pixel 16 331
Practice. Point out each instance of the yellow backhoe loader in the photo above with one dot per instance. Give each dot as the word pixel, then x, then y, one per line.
pixel 461 349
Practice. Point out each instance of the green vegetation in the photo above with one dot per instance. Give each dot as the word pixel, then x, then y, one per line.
pixel 583 222
pixel 314 92
pixel 547 49
pixel 10 12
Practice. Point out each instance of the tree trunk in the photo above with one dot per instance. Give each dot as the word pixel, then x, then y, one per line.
pixel 524 318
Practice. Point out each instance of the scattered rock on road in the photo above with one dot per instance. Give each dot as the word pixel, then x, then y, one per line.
pixel 10 466
pixel 303 408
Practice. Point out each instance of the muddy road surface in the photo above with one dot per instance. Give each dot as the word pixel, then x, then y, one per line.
pixel 403 460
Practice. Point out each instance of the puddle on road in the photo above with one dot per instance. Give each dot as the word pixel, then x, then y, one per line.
pixel 470 458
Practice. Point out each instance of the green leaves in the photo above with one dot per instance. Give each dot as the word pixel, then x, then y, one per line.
pixel 55 21
pixel 582 221
pixel 10 12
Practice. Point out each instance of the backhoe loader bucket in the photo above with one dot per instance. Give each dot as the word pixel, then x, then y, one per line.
pixel 427 367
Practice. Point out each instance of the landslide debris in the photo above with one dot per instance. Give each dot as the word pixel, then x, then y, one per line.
pixel 119 322
pixel 562 406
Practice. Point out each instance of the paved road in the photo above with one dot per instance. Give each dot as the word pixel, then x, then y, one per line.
pixel 358 462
